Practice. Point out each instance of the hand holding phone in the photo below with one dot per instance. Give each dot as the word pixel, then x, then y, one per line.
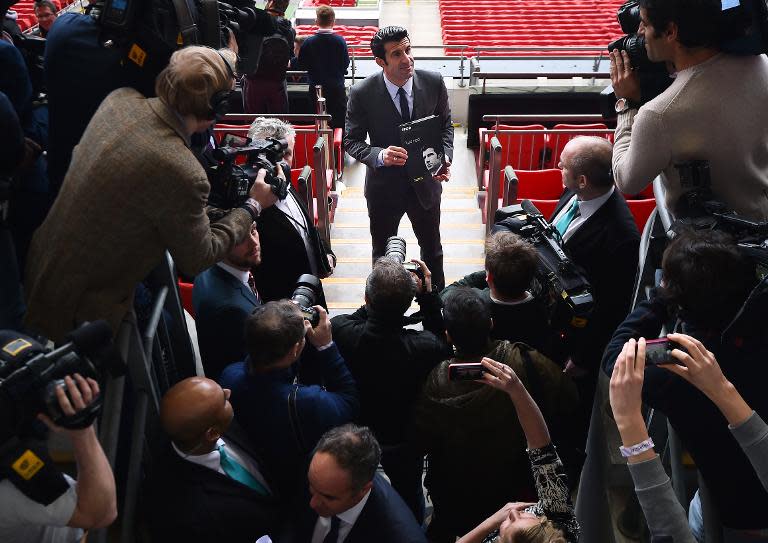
pixel 658 352
pixel 470 371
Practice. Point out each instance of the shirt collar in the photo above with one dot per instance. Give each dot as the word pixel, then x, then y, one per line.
pixel 528 298
pixel 209 460
pixel 350 515
pixel 324 31
pixel 392 88
pixel 587 208
pixel 240 275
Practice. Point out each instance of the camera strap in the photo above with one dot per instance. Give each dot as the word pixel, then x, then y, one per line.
pixel 293 416
pixel 27 465
pixel 187 26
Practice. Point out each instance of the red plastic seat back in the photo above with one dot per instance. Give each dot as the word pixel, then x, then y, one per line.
pixel 556 142
pixel 185 292
pixel 521 151
pixel 539 184
pixel 641 210
pixel 547 207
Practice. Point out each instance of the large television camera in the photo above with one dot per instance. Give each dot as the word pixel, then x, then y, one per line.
pixel 560 283
pixel 238 165
pixel 741 29
pixel 30 374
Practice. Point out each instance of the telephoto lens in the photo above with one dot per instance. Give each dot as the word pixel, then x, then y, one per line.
pixel 396 250
pixel 305 296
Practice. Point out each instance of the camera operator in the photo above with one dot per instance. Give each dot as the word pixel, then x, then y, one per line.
pixel 287 393
pixel 290 244
pixel 390 364
pixel 133 190
pixel 90 502
pixel 266 90
pixel 457 421
pixel 510 265
pixel 714 110
pixel 223 296
pixel 706 281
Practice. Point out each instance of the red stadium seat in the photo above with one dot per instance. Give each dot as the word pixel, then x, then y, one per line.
pixel 521 151
pixel 641 210
pixel 547 207
pixel 185 292
pixel 540 185
pixel 556 142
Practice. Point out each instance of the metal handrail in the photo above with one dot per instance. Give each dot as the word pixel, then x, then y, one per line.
pixel 492 194
pixel 575 117
pixel 321 166
pixel 535 75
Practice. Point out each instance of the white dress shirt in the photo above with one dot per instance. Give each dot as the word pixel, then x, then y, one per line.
pixel 587 208
pixel 239 274
pixel 392 90
pixel 212 460
pixel 347 518
pixel 292 208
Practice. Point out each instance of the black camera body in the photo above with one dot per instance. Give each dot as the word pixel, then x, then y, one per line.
pixel 396 250
pixel 30 374
pixel 560 282
pixel 231 182
pixel 305 295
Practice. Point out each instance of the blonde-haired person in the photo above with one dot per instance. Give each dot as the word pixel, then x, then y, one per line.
pixel 133 190
pixel 552 518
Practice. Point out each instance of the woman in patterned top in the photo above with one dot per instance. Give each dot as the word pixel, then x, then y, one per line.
pixel 552 518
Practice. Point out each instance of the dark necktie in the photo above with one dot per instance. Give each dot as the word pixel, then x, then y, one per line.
pixel 333 535
pixel 252 284
pixel 405 113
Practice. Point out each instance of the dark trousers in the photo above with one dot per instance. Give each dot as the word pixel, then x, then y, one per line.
pixel 335 103
pixel 404 467
pixel 265 96
pixel 385 218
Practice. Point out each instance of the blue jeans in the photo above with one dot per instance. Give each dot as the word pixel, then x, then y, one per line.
pixel 696 522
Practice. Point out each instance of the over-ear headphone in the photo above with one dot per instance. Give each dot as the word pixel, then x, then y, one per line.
pixel 220 100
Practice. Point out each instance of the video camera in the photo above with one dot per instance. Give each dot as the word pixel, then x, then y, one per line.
pixel 32 49
pixel 742 29
pixel 396 250
pixel 305 296
pixel 29 376
pixel 231 182
pixel 561 284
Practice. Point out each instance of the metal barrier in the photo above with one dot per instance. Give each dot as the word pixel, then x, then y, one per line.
pixel 323 221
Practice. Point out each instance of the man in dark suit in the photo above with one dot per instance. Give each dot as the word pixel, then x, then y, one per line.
pixel 290 245
pixel 209 485
pixel 223 297
pixel 350 502
pixel 601 237
pixel 377 106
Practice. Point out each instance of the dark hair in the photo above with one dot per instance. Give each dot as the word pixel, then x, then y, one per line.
pixel 46 4
pixel 699 22
pixel 390 288
pixel 385 35
pixel 355 450
pixel 468 321
pixel 325 15
pixel 271 331
pixel 707 277
pixel 593 161
pixel 511 262
pixel 279 6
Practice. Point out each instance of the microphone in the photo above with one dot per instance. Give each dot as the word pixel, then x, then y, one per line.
pixel 91 337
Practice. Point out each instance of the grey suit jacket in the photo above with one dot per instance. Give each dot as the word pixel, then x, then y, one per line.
pixel 133 190
pixel 371 112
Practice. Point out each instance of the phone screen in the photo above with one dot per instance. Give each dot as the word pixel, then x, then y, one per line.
pixel 465 372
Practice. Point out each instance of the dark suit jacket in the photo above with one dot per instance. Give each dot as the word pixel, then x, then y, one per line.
pixel 189 502
pixel 222 303
pixel 384 519
pixel 371 112
pixel 606 247
pixel 283 254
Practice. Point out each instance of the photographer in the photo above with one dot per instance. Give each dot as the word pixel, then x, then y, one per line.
pixel 286 393
pixel 714 110
pixel 90 502
pixel 510 265
pixel 265 89
pixel 457 421
pixel 133 190
pixel 290 243
pixel 390 364
pixel 665 515
pixel 706 281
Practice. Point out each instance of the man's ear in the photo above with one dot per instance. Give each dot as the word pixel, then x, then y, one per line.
pixel 581 181
pixel 212 434
pixel 670 34
pixel 380 61
pixel 488 277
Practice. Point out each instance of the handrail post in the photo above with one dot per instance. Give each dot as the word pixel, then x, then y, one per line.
pixel 353 65
pixel 323 224
pixel 461 67
pixel 492 192
pixel 511 183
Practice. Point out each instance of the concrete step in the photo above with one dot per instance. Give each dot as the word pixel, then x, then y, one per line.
pixel 361 267
pixel 361 247
pixel 456 231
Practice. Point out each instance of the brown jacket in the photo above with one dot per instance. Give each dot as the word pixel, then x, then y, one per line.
pixel 133 190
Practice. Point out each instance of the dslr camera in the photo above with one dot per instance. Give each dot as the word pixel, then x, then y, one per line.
pixel 30 375
pixel 305 295
pixel 239 162
pixel 396 250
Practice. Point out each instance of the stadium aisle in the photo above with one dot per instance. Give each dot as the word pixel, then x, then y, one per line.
pixel 461 229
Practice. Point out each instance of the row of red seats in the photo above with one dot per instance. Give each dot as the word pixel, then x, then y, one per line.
pixel 528 23
pixel 353 35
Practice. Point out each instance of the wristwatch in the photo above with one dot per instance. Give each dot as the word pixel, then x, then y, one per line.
pixel 622 105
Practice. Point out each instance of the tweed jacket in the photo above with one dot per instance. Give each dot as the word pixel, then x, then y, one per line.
pixel 133 190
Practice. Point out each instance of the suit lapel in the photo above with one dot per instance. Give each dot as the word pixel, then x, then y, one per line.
pixel 586 232
pixel 245 291
pixel 388 99
pixel 564 199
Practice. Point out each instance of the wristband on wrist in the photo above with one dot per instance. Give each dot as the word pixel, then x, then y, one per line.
pixel 634 450
pixel 253 207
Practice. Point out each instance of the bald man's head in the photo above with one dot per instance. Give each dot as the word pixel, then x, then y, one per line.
pixel 194 413
pixel 589 156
